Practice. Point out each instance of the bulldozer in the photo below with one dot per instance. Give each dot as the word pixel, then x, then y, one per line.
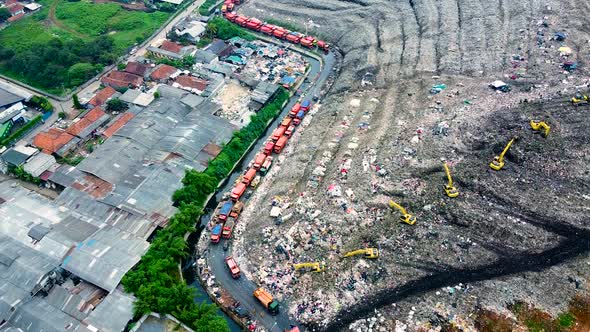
pixel 310 267
pixel 450 190
pixel 541 125
pixel 579 98
pixel 370 253
pixel 498 161
pixel 405 217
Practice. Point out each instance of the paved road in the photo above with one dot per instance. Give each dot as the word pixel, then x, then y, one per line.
pixel 242 289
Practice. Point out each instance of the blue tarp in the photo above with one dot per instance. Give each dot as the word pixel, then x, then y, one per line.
pixel 288 80
pixel 306 104
pixel 301 114
pixel 225 208
pixel 216 230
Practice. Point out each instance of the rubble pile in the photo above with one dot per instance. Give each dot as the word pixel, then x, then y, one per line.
pixel 272 63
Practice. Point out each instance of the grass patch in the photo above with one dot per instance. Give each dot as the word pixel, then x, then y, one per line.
pixel 205 9
pixel 566 319
pixel 224 29
pixel 42 49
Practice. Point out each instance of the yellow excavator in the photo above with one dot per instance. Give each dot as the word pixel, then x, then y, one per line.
pixel 498 161
pixel 370 253
pixel 579 98
pixel 405 217
pixel 450 190
pixel 541 125
pixel 310 267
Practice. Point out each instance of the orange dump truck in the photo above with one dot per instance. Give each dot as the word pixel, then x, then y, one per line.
pixel 286 122
pixel 278 133
pixel 259 160
pixel 280 145
pixel 249 176
pixel 264 297
pixel 238 191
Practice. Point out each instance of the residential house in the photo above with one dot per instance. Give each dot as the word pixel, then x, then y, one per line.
pixel 136 68
pixel 205 57
pixel 117 124
pixel 87 124
pixel 32 7
pixel 137 97
pixel 56 141
pixel 102 96
pixel 191 29
pixel 170 50
pixel 191 83
pixel 220 48
pixel 162 73
pixel 9 117
pixel 120 79
pixel 18 155
pixel 39 163
pixel 261 95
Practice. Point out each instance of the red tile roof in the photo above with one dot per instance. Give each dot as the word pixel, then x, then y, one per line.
pixel 112 129
pixel 163 72
pixel 192 82
pixel 171 46
pixel 85 122
pixel 52 140
pixel 102 96
pixel 15 8
pixel 16 17
pixel 122 79
pixel 136 68
pixel 10 2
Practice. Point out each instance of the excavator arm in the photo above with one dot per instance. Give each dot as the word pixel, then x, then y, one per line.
pixel 498 161
pixel 368 252
pixel 450 190
pixel 405 217
pixel 541 125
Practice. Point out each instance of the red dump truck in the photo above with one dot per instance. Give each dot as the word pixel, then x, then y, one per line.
pixel 228 227
pixel 278 133
pixel 231 16
pixel 259 160
pixel 225 210
pixel 216 233
pixel 233 267
pixel 280 145
pixel 268 29
pixel 268 147
pixel 254 24
pixel 238 191
pixel 294 110
pixel 293 37
pixel 298 117
pixel 241 20
pixel 264 297
pixel 280 32
pixel 307 41
pixel 323 45
pixel 305 105
pixel 249 176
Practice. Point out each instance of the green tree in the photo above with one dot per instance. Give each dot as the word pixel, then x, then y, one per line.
pixel 62 115
pixel 81 72
pixel 76 101
pixel 116 105
pixel 4 14
pixel 121 67
pixel 157 94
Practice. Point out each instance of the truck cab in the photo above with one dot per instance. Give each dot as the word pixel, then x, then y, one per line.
pixel 233 267
pixel 298 117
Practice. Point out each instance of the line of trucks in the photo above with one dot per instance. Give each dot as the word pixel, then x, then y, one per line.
pixel 228 211
pixel 255 24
